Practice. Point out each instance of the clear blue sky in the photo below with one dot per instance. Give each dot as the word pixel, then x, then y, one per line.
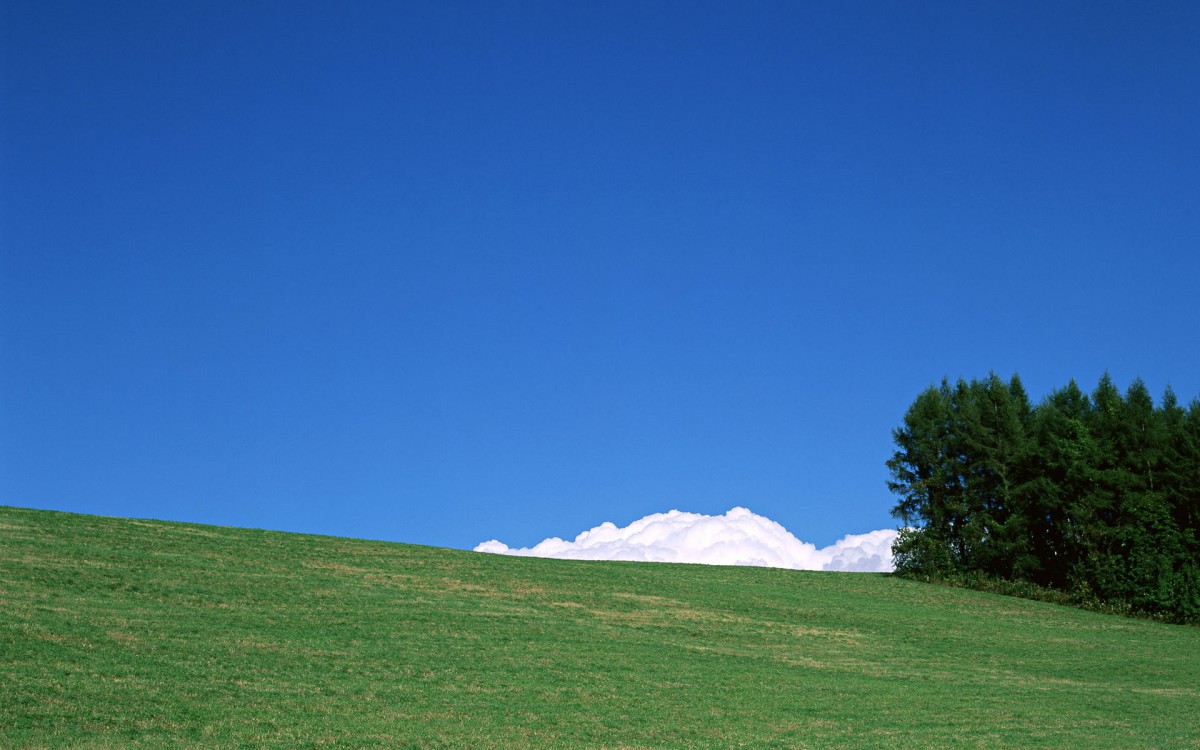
pixel 438 272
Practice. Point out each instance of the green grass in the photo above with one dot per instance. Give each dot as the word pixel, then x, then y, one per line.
pixel 118 633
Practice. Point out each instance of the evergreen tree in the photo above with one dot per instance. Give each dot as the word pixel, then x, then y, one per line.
pixel 1098 496
pixel 920 470
pixel 1186 509
pixel 957 471
pixel 1148 531
pixel 992 432
pixel 1061 477
pixel 1181 465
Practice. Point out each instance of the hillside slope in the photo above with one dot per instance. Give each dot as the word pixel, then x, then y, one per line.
pixel 124 633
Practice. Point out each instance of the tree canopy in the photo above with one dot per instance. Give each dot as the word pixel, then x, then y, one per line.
pixel 1095 495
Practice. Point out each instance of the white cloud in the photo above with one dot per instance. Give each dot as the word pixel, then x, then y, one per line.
pixel 737 538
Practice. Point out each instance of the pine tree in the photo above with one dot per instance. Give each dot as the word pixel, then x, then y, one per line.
pixel 1099 495
pixel 994 437
pixel 1148 535
pixel 919 470
pixel 1061 476
pixel 957 471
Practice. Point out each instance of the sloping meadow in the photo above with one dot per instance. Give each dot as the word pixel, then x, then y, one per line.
pixel 124 633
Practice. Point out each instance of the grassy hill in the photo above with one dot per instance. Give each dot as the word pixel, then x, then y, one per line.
pixel 120 633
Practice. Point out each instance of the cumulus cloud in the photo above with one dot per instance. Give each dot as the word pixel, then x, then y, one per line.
pixel 738 537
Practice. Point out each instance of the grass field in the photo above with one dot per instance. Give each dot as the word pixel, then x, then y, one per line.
pixel 120 633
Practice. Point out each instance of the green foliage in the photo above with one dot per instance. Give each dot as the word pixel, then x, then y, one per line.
pixel 957 473
pixel 1095 495
pixel 142 634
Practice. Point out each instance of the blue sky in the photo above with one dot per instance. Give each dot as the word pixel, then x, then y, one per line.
pixel 443 272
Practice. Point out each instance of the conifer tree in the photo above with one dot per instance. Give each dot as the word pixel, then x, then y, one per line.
pixel 1098 496
pixel 920 470
pixel 1060 470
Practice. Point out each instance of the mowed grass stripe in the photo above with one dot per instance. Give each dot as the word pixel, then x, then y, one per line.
pixel 124 633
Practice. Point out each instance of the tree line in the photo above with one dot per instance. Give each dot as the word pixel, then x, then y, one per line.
pixel 1094 496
